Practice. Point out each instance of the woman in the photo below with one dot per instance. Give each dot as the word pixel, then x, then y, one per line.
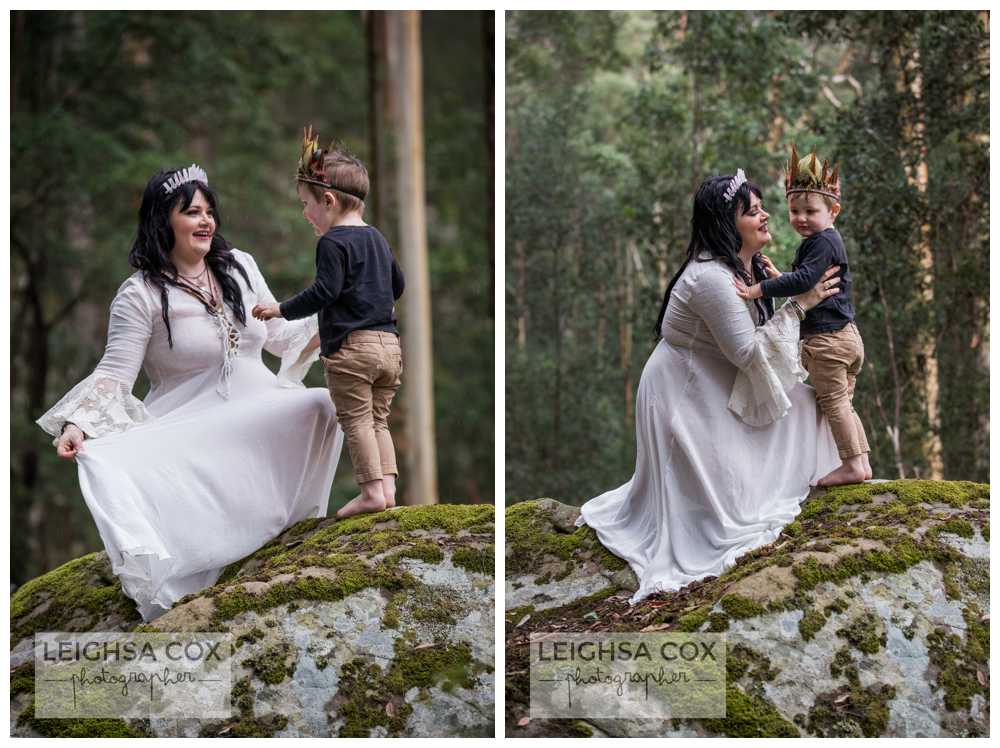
pixel 728 437
pixel 222 455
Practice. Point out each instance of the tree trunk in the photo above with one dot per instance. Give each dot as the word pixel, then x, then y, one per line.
pixel 419 390
pixel 927 344
pixel 488 120
pixel 520 297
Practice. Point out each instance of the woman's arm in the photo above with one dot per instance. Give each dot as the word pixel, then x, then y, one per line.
pixel 103 403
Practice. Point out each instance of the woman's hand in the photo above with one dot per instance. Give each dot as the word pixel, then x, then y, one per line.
pixel 70 444
pixel 264 312
pixel 826 287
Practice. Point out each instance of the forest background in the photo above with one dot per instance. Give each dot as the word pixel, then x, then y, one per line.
pixel 102 100
pixel 614 118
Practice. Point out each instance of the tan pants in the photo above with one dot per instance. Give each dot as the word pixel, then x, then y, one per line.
pixel 363 377
pixel 834 360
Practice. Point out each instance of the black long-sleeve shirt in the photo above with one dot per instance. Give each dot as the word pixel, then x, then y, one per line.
pixel 357 283
pixel 815 254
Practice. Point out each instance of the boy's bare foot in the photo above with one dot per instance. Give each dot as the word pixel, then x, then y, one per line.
pixel 846 473
pixel 389 490
pixel 361 504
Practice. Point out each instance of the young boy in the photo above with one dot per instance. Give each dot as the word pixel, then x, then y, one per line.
pixel 357 283
pixel 832 350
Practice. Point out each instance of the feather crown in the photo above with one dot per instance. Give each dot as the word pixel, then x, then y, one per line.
pixel 805 175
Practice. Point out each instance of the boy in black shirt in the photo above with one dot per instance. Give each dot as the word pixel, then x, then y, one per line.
pixel 832 349
pixel 357 283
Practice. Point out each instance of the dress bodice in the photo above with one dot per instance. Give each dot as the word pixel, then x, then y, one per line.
pixel 197 371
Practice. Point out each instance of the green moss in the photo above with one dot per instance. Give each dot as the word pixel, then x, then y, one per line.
pixel 903 555
pixel 742 661
pixel 274 663
pixel 865 632
pixel 750 717
pixel 880 533
pixel 365 691
pixel 250 637
pixel 843 664
pixel 839 605
pixel 694 620
pixel 811 623
pixel 959 662
pixel 244 724
pixel 353 575
pixel 737 606
pixel 82 591
pixel 581 730
pixel 908 492
pixel 82 728
pixel 531 541
pixel 478 560
pixel 514 615
pixel 424 551
pixel 986 531
pixel 718 622
pixel 955 526
pixel 851 711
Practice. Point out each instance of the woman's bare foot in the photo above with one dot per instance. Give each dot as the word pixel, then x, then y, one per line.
pixel 868 467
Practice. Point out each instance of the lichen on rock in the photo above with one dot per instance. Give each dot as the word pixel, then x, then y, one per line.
pixel 402 597
pixel 867 616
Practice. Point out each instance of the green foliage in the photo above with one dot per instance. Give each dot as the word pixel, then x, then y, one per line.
pixel 613 119
pixel 101 101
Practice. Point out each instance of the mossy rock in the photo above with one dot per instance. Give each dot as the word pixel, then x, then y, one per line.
pixel 871 584
pixel 408 592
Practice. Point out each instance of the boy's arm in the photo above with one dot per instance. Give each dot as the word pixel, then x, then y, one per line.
pixel 330 271
pixel 398 282
pixel 815 260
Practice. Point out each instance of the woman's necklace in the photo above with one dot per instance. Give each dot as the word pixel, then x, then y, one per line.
pixel 199 280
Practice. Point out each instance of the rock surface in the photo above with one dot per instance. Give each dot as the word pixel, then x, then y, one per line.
pixel 379 625
pixel 869 616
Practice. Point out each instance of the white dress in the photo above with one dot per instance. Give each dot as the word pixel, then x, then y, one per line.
pixel 728 439
pixel 220 457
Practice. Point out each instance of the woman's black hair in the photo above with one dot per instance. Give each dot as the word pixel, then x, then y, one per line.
pixel 155 241
pixel 713 230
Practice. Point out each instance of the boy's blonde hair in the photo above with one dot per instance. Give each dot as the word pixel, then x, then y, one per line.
pixel 342 170
pixel 333 169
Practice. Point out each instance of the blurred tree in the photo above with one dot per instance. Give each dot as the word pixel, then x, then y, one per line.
pixel 614 118
pixel 102 100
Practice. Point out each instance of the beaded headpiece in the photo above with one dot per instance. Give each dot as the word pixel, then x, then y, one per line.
pixel 806 176
pixel 735 183
pixel 311 160
pixel 193 173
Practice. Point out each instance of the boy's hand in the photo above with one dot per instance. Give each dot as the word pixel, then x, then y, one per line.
pixel 772 271
pixel 753 292
pixel 264 312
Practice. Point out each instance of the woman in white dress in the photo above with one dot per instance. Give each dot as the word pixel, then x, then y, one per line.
pixel 222 455
pixel 728 438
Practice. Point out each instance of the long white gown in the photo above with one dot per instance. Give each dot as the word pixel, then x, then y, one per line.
pixel 728 439
pixel 219 458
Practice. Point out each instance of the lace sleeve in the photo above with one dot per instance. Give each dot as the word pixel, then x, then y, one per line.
pixel 767 357
pixel 759 393
pixel 289 340
pixel 103 402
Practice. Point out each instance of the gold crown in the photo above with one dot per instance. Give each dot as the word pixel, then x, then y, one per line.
pixel 806 176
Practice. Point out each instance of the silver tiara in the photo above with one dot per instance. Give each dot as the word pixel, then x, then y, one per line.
pixel 734 184
pixel 193 173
